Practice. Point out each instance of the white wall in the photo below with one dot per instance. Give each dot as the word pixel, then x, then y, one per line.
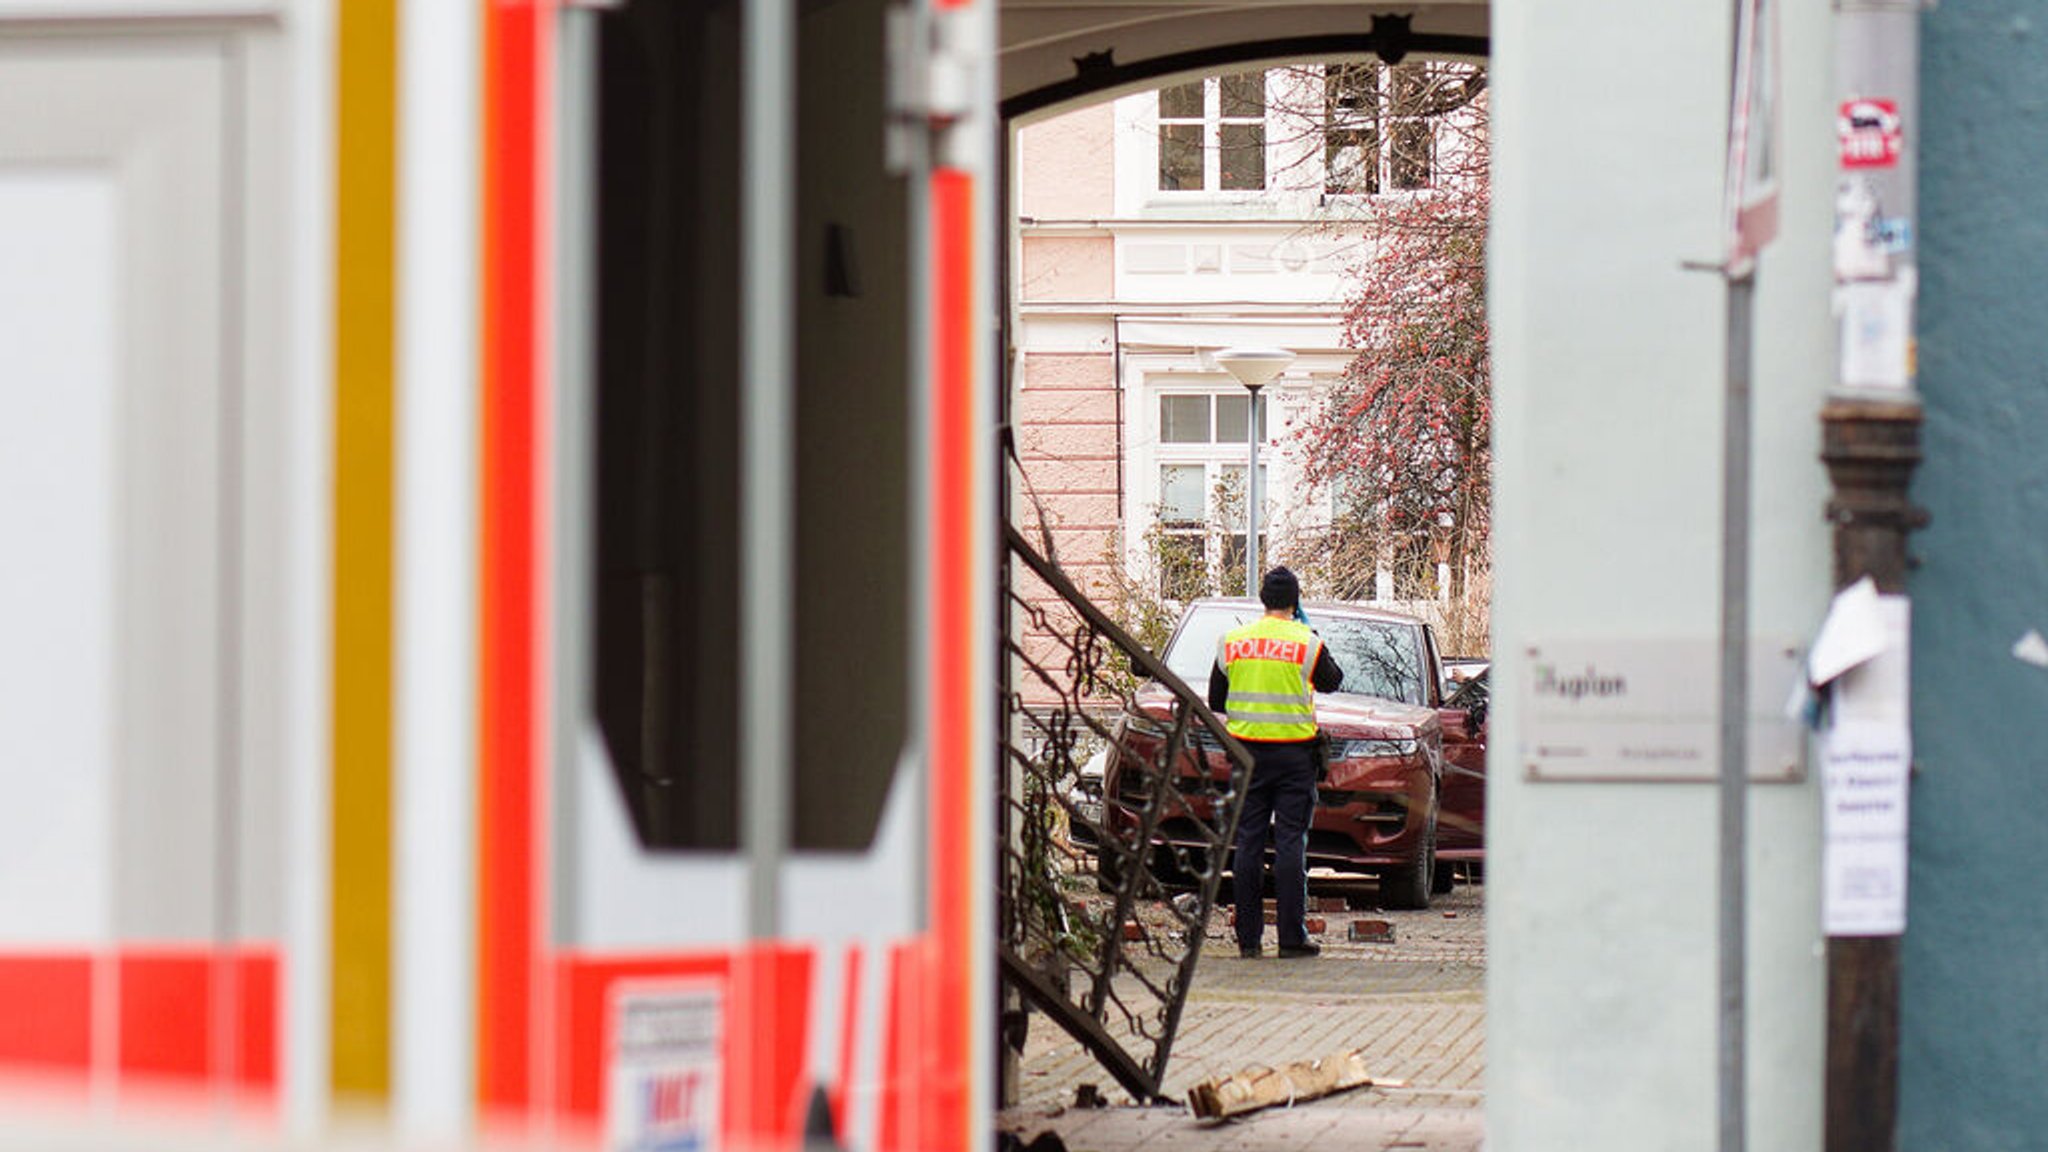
pixel 1609 123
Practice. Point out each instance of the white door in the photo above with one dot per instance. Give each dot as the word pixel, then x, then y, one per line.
pixel 118 600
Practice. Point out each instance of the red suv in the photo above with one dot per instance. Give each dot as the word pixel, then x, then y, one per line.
pixel 1388 784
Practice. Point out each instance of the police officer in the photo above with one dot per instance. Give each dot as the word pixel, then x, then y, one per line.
pixel 1261 681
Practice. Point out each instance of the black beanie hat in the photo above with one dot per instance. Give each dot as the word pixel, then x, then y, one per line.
pixel 1280 589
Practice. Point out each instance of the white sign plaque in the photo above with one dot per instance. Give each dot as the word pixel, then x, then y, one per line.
pixel 1649 710
pixel 663 1085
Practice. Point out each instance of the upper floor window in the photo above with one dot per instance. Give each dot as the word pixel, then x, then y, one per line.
pixel 1212 134
pixel 1377 135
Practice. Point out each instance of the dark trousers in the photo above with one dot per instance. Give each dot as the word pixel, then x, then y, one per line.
pixel 1279 803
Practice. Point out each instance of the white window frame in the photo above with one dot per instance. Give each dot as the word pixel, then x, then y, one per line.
pixel 1385 125
pixel 1212 122
pixel 1214 457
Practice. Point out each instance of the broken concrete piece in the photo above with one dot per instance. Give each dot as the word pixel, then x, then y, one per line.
pixel 1257 1088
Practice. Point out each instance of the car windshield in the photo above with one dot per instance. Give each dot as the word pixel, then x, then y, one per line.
pixel 1379 657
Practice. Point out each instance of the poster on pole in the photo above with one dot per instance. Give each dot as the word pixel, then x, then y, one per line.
pixel 1867 762
pixel 1752 172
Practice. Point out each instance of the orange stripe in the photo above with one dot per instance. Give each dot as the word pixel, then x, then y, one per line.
pixel 46 1012
pixel 365 236
pixel 167 1013
pixel 510 927
pixel 954 656
pixel 849 1027
pixel 899 1039
pixel 163 998
pixel 166 1002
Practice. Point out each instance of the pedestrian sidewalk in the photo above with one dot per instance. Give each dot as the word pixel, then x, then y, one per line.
pixel 1415 1007
pixel 1320 1125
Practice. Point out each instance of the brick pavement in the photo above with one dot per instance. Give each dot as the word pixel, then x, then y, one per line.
pixel 1416 1006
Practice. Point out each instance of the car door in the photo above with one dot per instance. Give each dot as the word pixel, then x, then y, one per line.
pixel 1461 823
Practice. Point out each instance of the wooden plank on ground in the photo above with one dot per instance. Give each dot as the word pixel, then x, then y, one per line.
pixel 1257 1088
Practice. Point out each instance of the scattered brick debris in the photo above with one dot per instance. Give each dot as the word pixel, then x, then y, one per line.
pixel 1372 931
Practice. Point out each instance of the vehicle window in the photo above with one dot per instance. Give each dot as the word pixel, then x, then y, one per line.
pixel 1471 693
pixel 667 509
pixel 1379 658
pixel 1193 648
pixel 665 518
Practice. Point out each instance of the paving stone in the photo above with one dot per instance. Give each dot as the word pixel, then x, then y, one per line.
pixel 1416 1007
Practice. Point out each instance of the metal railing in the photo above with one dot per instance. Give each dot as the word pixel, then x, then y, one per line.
pixel 1102 916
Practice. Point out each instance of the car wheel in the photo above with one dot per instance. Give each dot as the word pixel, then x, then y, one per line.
pixel 1168 870
pixel 1109 871
pixel 1409 886
pixel 1443 878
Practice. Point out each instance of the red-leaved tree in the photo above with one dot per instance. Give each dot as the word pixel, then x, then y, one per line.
pixel 1403 439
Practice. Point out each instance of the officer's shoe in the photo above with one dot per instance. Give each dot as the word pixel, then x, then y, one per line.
pixel 1303 950
pixel 1248 951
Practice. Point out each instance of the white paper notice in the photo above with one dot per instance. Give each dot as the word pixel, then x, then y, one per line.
pixel 1865 893
pixel 1876 333
pixel 1852 633
pixel 1879 689
pixel 1864 770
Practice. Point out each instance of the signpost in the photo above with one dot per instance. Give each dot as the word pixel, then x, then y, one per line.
pixel 1751 196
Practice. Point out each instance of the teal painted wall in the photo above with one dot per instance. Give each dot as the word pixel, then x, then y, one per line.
pixel 1975 1007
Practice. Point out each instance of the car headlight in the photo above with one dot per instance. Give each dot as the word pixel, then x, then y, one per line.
pixel 1366 749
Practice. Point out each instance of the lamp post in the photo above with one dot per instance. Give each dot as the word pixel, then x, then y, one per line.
pixel 1254 368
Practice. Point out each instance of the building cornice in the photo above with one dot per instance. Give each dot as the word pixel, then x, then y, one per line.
pixel 1114 224
pixel 1181 310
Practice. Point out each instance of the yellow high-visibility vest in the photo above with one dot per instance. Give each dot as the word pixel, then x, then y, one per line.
pixel 1269 662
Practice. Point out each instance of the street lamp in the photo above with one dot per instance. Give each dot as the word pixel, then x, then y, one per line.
pixel 1253 367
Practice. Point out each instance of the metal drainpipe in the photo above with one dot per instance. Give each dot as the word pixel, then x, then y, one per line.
pixel 1116 375
pixel 1870 444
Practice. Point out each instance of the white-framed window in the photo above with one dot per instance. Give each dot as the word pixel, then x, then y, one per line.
pixel 1212 134
pixel 1376 137
pixel 1199 471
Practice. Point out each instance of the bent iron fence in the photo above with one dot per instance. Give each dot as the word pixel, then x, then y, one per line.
pixel 1092 933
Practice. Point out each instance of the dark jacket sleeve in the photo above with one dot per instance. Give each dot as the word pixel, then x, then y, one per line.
pixel 1326 676
pixel 1219 688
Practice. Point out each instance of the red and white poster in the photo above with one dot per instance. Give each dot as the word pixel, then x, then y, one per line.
pixel 1870 133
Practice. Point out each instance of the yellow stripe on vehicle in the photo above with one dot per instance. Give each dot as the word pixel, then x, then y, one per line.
pixel 364 298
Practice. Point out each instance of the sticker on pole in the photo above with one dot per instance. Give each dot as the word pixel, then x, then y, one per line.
pixel 1870 132
pixel 1751 177
pixel 663 1089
